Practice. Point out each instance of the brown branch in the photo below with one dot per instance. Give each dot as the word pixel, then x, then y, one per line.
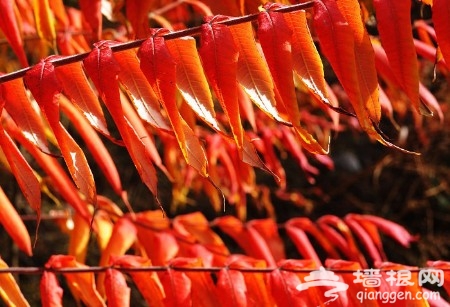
pixel 172 35
pixel 97 269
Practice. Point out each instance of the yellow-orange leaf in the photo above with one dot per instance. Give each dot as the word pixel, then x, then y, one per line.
pixel 45 21
pixel 142 95
pixel 191 79
pixel 252 71
pixel 364 58
pixel 76 87
pixel 9 290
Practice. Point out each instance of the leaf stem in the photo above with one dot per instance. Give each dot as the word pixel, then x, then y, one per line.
pixel 172 35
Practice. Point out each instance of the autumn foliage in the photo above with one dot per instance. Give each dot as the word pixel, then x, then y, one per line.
pixel 206 95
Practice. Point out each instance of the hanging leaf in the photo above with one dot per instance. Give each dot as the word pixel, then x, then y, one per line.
pixel 275 37
pixel 45 87
pixel 91 10
pixel 13 224
pixel 219 56
pixel 142 95
pixel 117 291
pixel 10 291
pixel 191 80
pixel 51 292
pixel 45 21
pixel 76 87
pixel 160 70
pixel 24 114
pixel 179 286
pixel 441 9
pixel 102 68
pixel 231 288
pixel 147 282
pixel 253 74
pixel 395 17
pixel 10 28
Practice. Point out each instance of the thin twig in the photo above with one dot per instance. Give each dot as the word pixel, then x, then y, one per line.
pixel 172 35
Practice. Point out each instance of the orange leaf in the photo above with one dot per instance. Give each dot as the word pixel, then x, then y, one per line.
pixel 82 284
pixel 51 292
pixel 177 287
pixel 58 176
pixel 160 70
pixel 79 237
pixel 364 58
pixel 45 21
pixel 191 80
pixel 252 71
pixel 196 225
pixel 76 86
pixel 441 11
pixel 24 114
pixel 275 37
pixel 231 288
pixel 141 93
pixel 117 291
pixel 94 144
pixel 268 229
pixel 92 13
pixel 9 290
pixel 22 171
pixel 123 236
pixel 306 59
pixel 219 56
pixel 14 225
pixel 45 87
pixel 103 69
pixel 10 28
pixel 147 282
pixel 395 17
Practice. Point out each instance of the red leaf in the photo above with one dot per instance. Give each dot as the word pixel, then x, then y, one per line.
pixel 13 224
pixel 81 284
pixel 219 56
pixel 51 292
pixel 10 28
pixel 76 86
pixel 268 230
pixel 275 38
pixel 94 144
pixel 395 17
pixel 441 11
pixel 231 288
pixel 22 171
pixel 45 87
pixel 92 13
pixel 24 114
pixel 178 288
pixel 147 282
pixel 160 70
pixel 141 93
pixel 103 69
pixel 117 291
pixel 137 13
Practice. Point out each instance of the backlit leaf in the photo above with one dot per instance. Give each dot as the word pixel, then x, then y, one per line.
pixel 103 69
pixel 9 290
pixel 76 87
pixel 45 87
pixel 219 56
pixel 231 288
pixel 142 95
pixel 275 37
pixel 10 28
pixel 51 292
pixel 177 287
pixel 24 114
pixel 395 17
pixel 45 21
pixel 92 13
pixel 441 11
pixel 252 71
pixel 191 80
pixel 117 291
pixel 160 70
pixel 13 224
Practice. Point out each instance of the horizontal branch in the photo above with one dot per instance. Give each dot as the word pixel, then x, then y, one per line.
pixel 97 269
pixel 172 35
